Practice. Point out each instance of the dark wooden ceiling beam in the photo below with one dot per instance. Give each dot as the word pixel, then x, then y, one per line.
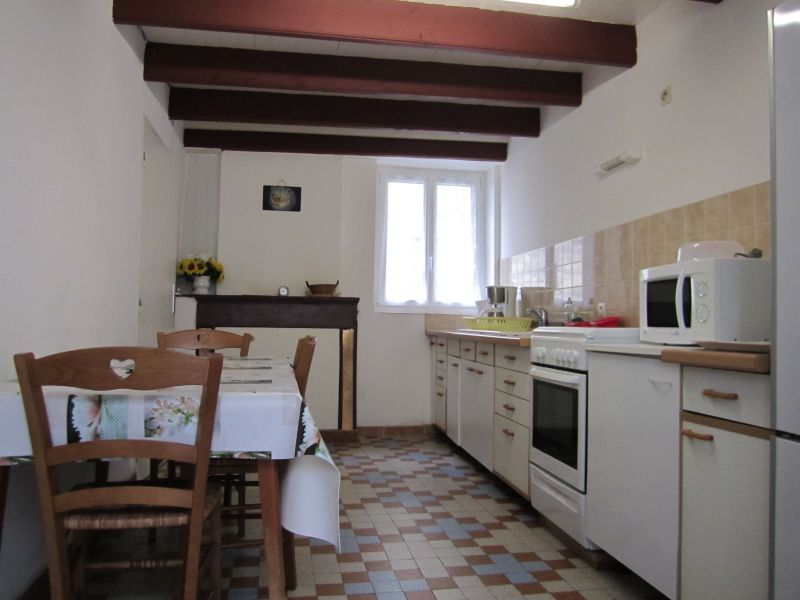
pixel 264 141
pixel 204 65
pixel 396 22
pixel 192 104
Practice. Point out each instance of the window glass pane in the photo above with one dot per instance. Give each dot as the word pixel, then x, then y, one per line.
pixel 405 243
pixel 455 245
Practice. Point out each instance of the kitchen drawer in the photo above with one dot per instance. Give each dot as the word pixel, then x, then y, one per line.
pixel 440 378
pixel 441 345
pixel 467 350
pixel 514 382
pixel 515 358
pixel 453 347
pixel 732 395
pixel 511 442
pixel 440 360
pixel 511 407
pixel 484 353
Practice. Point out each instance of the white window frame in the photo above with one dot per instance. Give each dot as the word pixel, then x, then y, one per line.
pixel 430 177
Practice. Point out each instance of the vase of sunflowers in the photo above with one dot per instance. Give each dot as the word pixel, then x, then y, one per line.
pixel 202 271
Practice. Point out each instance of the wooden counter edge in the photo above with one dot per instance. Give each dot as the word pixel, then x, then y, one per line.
pixel 523 342
pixel 749 362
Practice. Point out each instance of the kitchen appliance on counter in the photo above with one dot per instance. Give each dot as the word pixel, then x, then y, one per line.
pixel 785 186
pixel 559 415
pixel 502 301
pixel 710 299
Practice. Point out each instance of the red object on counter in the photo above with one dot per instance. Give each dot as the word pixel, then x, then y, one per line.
pixel 604 322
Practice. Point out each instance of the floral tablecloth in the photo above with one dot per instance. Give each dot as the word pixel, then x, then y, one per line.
pixel 260 414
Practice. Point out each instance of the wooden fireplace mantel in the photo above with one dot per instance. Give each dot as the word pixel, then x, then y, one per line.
pixel 323 312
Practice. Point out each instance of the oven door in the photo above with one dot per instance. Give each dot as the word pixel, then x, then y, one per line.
pixel 558 431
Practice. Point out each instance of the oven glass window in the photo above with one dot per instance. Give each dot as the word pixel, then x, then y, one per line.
pixel 661 303
pixel 555 421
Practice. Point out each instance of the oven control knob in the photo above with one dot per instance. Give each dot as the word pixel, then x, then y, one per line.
pixel 539 353
pixel 573 357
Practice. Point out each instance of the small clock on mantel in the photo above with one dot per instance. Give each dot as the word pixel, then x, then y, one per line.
pixel 283 291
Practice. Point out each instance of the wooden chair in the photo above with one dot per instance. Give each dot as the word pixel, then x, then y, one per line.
pixel 302 361
pixel 232 473
pixel 205 341
pixel 132 504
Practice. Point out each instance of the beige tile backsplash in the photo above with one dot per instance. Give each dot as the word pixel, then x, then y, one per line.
pixel 604 266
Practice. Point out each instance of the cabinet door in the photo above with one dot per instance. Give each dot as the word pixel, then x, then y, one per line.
pixel 453 395
pixel 510 457
pixel 724 510
pixel 633 464
pixel 477 410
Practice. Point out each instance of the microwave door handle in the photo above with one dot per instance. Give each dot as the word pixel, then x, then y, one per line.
pixel 679 301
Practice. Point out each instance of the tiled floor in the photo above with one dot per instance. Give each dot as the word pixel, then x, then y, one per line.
pixel 419 522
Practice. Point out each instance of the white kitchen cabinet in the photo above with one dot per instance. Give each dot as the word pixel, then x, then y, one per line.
pixel 632 493
pixel 453 394
pixel 510 453
pixel 513 391
pixel 439 391
pixel 725 510
pixel 476 395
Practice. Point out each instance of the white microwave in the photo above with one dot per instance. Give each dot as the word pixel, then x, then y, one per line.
pixel 709 299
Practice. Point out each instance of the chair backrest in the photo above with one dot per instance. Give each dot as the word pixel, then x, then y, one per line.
pixel 302 361
pixel 205 341
pixel 102 370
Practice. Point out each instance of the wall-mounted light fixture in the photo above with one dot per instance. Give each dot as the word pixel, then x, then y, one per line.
pixel 631 156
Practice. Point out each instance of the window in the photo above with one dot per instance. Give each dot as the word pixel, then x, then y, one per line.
pixel 430 240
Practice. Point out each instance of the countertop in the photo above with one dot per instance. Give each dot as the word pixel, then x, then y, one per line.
pixel 492 337
pixel 750 362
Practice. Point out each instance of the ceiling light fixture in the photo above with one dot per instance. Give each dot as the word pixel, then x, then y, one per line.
pixel 558 3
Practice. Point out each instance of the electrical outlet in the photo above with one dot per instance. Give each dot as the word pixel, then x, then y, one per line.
pixel 601 309
pixel 666 95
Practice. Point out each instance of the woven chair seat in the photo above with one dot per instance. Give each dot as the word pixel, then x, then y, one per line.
pixel 131 517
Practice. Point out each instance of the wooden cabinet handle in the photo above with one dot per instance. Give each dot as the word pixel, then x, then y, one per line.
pixel 466 349
pixel 454 364
pixel 440 378
pixel 509 407
pixel 440 361
pixel 471 369
pixel 433 343
pixel 509 357
pixel 478 371
pixel 440 344
pixel 704 437
pixel 440 394
pixel 709 393
pixel 483 353
pixel 509 382
pixel 508 432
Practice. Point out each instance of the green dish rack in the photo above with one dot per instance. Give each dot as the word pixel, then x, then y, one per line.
pixel 499 323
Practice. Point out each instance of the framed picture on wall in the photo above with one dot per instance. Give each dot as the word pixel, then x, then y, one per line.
pixel 281 197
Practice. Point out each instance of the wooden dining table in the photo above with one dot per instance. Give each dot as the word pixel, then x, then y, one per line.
pixel 260 416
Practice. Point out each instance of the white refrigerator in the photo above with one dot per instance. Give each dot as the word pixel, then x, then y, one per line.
pixel 785 122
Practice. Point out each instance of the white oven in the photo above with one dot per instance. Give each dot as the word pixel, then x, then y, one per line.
pixel 558 430
pixel 558 423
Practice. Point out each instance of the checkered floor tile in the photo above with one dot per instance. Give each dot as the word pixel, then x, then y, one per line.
pixel 419 521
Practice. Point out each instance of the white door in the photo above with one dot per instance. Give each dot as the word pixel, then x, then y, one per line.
pixel 162 184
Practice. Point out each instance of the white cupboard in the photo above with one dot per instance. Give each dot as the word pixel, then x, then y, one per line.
pixel 725 510
pixel 477 410
pixel 633 464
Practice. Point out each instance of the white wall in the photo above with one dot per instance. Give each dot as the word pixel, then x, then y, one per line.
pixel 712 138
pixel 71 111
pixel 330 239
